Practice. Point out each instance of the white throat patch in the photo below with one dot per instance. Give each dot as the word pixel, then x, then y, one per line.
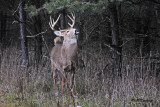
pixel 73 41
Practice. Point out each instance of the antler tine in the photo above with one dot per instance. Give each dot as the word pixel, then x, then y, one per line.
pixel 52 23
pixel 73 15
pixel 57 18
pixel 72 19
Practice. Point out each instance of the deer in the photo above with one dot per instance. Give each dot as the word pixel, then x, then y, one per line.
pixel 64 54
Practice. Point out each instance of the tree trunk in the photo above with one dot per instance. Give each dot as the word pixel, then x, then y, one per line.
pixel 3 41
pixel 143 24
pixel 62 20
pixel 38 40
pixel 80 44
pixel 22 34
pixel 115 38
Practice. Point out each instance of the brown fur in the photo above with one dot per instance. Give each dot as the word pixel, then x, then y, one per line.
pixel 64 53
pixel 57 40
pixel 64 57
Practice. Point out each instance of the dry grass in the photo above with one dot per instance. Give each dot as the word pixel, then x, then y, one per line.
pixel 94 85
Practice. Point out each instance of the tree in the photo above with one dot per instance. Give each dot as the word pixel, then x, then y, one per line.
pixel 22 33
pixel 115 38
pixel 37 20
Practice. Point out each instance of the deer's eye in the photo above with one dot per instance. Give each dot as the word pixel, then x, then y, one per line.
pixel 67 31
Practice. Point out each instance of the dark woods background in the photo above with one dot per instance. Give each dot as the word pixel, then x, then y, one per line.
pixel 117 40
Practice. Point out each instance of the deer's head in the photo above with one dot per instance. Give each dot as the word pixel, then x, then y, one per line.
pixel 69 33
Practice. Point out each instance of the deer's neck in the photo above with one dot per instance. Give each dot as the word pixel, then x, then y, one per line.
pixel 73 41
pixel 69 41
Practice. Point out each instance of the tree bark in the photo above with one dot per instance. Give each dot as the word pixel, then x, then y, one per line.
pixel 38 39
pixel 115 38
pixel 3 37
pixel 142 42
pixel 62 20
pixel 22 34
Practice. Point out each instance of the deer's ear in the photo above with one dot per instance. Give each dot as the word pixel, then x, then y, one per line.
pixel 58 33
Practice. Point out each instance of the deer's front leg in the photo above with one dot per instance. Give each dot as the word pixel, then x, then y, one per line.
pixel 72 84
pixel 63 82
pixel 55 78
pixel 72 80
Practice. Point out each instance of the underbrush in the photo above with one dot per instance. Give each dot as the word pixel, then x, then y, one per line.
pixel 95 85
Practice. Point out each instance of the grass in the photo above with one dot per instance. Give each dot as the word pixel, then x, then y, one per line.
pixel 94 85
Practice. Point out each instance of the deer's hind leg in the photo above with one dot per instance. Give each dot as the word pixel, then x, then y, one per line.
pixel 54 74
pixel 74 98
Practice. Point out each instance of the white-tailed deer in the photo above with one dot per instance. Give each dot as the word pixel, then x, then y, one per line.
pixel 64 53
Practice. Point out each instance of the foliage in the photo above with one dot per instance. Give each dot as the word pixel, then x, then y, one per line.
pixel 69 5
pixel 31 9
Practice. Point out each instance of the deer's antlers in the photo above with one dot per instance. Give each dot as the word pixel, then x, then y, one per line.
pixel 72 18
pixel 52 23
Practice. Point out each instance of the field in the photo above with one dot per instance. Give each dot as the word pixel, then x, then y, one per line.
pixel 95 86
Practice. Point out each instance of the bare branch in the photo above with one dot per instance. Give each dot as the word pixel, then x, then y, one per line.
pixel 17 8
pixel 36 34
pixel 142 1
pixel 112 48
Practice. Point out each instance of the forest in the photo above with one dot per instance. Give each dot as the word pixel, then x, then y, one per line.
pixel 116 55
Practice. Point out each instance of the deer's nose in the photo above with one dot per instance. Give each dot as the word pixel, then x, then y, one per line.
pixel 76 32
